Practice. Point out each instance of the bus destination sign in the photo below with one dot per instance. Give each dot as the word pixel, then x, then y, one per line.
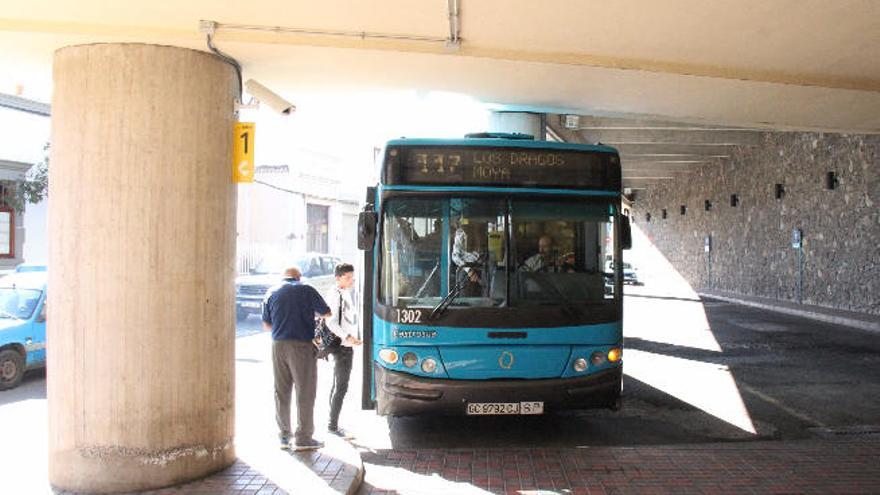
pixel 507 167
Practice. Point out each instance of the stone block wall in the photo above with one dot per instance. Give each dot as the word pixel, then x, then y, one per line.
pixel 752 250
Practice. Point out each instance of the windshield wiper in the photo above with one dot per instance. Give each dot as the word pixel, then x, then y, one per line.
pixel 444 303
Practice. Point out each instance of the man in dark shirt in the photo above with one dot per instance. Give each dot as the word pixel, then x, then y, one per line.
pixel 289 311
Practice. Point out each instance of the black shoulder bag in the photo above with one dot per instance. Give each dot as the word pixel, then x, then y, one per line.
pixel 325 340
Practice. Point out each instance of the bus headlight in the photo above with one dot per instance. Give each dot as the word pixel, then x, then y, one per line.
pixel 410 359
pixel 429 365
pixel 388 355
pixel 580 364
pixel 597 358
pixel 614 355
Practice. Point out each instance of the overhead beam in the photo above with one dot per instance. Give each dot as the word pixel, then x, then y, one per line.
pixel 645 180
pixel 670 156
pixel 676 149
pixel 653 136
pixel 629 172
pixel 589 122
pixel 661 161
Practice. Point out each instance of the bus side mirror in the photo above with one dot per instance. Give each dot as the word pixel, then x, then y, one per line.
pixel 367 230
pixel 626 236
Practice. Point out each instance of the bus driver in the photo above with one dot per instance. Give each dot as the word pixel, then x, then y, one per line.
pixel 545 259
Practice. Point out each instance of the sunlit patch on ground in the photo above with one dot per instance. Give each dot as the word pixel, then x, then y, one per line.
pixel 402 480
pixel 667 310
pixel 707 386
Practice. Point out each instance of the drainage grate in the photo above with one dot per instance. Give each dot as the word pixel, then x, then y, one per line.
pixel 856 431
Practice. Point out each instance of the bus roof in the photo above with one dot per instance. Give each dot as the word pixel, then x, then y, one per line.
pixel 507 143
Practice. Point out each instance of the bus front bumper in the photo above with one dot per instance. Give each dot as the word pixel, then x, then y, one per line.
pixel 401 394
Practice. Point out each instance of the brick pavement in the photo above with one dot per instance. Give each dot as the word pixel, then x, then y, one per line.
pixel 332 474
pixel 240 478
pixel 801 467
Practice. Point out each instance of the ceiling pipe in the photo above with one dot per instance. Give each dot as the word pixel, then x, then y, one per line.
pixel 452 42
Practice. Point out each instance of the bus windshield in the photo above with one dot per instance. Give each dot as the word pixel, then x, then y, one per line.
pixel 496 252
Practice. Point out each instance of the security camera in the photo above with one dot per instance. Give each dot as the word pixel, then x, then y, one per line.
pixel 269 97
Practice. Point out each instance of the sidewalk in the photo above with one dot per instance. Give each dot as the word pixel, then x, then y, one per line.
pixel 801 467
pixel 335 469
pixel 830 315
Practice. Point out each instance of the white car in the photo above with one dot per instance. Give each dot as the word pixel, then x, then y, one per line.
pixel 630 274
pixel 317 271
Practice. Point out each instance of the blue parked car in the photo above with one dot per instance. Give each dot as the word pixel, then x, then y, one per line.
pixel 22 323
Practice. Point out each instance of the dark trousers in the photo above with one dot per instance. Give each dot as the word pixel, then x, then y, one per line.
pixel 342 360
pixel 295 366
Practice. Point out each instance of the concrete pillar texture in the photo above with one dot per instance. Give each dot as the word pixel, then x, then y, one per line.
pixel 141 267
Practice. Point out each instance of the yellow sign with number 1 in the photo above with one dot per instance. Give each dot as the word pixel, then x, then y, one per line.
pixel 243 152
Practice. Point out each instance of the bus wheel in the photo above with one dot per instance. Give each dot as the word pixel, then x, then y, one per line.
pixel 11 368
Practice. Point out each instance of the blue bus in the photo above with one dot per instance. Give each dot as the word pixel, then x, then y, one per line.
pixel 492 281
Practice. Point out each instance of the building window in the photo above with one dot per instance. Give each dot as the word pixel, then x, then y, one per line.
pixel 7 232
pixel 317 239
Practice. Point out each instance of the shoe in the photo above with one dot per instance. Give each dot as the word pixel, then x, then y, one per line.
pixel 339 432
pixel 310 444
pixel 285 443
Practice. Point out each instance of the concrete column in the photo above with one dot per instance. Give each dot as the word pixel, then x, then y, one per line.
pixel 141 267
pixel 521 122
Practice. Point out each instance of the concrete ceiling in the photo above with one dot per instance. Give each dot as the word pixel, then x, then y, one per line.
pixel 668 82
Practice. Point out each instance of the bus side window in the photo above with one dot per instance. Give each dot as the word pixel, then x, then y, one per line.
pixel 42 316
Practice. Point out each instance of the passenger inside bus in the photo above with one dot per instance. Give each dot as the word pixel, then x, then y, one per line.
pixel 469 264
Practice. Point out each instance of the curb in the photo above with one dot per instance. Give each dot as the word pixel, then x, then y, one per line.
pixel 338 465
pixel 871 326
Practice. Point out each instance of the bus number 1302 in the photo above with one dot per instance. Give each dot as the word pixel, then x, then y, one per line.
pixel 409 316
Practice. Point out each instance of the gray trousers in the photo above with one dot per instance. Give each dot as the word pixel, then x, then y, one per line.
pixel 295 365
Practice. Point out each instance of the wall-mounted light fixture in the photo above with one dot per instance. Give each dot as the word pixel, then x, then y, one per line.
pixel 708 205
pixel 780 191
pixel 831 180
pixel 663 213
pixel 734 200
pixel 571 122
pixel 684 210
pixel 648 217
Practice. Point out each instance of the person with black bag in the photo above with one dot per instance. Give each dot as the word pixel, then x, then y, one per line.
pixel 338 342
pixel 289 309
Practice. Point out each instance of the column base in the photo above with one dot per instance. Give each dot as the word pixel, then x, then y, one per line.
pixel 120 469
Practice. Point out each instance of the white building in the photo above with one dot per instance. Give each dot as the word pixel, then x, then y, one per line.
pixel 300 207
pixel 23 238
